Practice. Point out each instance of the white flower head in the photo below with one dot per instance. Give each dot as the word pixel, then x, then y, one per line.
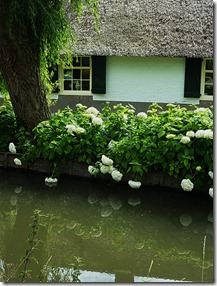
pixel 70 128
pixel 106 161
pixel 97 121
pixel 134 184
pixel 211 174
pixel 17 162
pixel 142 115
pixel 116 175
pixel 80 106
pixel 12 148
pixel 208 133
pixel 104 169
pixel 112 144
pixel 190 134
pixel 93 170
pixel 125 118
pixel 185 140
pixel 187 185
pixel 79 130
pixel 200 109
pixel 199 134
pixel 92 110
pixel 211 192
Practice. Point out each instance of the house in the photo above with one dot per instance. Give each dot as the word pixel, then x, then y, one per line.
pixel 145 51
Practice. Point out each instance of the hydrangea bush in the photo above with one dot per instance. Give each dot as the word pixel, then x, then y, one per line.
pixel 119 141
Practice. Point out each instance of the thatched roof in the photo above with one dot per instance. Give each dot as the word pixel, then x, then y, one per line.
pixel 176 28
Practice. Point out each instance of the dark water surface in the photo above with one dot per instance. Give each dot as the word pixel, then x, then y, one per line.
pixel 121 234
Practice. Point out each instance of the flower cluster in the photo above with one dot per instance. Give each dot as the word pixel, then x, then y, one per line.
pixel 190 134
pixel 187 185
pixel 142 115
pixel 134 184
pixel 73 128
pixel 208 134
pixel 12 148
pixel 185 140
pixel 93 170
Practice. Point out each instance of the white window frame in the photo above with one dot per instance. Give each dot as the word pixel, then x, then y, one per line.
pixel 74 92
pixel 202 86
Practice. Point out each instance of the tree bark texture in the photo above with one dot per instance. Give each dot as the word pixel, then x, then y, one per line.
pixel 19 65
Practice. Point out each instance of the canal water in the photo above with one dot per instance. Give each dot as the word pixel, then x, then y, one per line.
pixel 118 234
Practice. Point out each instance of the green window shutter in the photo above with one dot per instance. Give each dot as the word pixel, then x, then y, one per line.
pixel 99 74
pixel 55 77
pixel 192 77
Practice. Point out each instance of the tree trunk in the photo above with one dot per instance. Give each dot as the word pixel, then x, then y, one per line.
pixel 20 70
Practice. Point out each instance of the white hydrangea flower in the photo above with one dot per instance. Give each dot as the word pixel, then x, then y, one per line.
pixel 106 161
pixel 190 134
pixel 187 185
pixel 170 136
pixel 199 134
pixel 12 148
pixel 210 174
pixel 185 140
pixel 211 192
pixel 142 115
pixel 116 175
pixel 93 170
pixel 198 168
pixel 92 110
pixel 125 117
pixel 111 169
pixel 70 128
pixel 104 169
pixel 208 133
pixel 79 130
pixel 79 105
pixel 91 115
pixel 97 121
pixel 17 162
pixel 134 184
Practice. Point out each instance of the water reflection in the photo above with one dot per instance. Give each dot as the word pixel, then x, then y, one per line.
pixel 116 231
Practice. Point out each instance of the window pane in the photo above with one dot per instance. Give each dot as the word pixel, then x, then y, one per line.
pixel 68 74
pixel 85 73
pixel 76 61
pixel 85 85
pixel 85 61
pixel 208 90
pixel 76 74
pixel 209 77
pixel 209 65
pixel 76 85
pixel 67 85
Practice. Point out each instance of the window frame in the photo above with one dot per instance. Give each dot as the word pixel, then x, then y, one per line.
pixel 203 72
pixel 75 92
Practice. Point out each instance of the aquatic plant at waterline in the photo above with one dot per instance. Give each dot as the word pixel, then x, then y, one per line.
pixel 177 141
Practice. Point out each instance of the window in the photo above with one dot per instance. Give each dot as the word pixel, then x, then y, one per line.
pixel 207 79
pixel 78 78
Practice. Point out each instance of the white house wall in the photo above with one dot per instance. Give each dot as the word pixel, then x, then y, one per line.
pixel 142 79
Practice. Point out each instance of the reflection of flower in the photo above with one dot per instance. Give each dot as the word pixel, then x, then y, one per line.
pixel 12 148
pixel 17 162
pixel 187 185
pixel 134 184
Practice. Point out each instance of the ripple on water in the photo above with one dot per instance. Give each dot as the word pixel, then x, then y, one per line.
pixel 185 219
pixel 18 190
pixel 106 211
